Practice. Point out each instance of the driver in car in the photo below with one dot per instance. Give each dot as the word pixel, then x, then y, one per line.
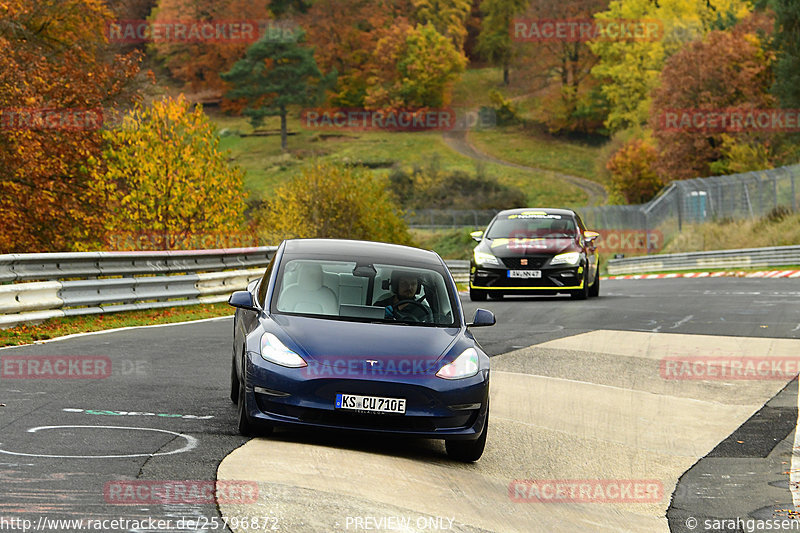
pixel 403 300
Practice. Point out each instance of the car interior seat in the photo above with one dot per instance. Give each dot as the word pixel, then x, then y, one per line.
pixel 309 295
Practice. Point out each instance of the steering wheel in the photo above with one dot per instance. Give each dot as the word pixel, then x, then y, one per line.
pixel 405 314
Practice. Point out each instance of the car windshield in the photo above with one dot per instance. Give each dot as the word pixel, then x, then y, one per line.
pixel 365 292
pixel 531 226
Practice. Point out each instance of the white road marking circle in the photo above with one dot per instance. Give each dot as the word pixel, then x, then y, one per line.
pixel 191 443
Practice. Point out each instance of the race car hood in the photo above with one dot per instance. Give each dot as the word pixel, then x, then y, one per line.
pixel 526 247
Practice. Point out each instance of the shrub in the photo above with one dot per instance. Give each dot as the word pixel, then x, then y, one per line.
pixel 332 201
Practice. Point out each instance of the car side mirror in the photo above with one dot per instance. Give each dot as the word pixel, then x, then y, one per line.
pixel 590 235
pixel 242 300
pixel 476 235
pixel 482 317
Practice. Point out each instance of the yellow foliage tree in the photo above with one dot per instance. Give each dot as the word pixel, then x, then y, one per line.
pixel 162 174
pixel 333 201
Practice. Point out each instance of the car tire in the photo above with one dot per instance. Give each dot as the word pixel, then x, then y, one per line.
pixel 468 451
pixel 234 382
pixel 495 295
pixel 246 425
pixel 243 422
pixel 582 294
pixel 594 289
pixel 476 295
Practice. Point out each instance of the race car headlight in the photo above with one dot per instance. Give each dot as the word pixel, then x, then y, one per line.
pixel 464 366
pixel 482 258
pixel 570 258
pixel 274 351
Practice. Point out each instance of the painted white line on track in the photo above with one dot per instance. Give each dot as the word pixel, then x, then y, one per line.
pixel 191 443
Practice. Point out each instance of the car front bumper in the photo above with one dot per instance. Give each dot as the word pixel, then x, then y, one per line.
pixel 435 408
pixel 553 280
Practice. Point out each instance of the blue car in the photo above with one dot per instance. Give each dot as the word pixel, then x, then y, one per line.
pixel 361 336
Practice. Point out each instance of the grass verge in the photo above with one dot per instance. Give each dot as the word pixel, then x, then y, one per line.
pixel 59 327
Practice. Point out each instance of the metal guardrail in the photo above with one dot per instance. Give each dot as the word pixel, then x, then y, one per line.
pixel 73 284
pixel 30 267
pixel 744 258
pixel 459 270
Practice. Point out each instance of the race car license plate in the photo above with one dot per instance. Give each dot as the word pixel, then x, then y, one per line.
pixel 525 274
pixel 372 404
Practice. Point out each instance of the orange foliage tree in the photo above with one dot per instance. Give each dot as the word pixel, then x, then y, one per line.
pixel 53 55
pixel 727 69
pixel 198 63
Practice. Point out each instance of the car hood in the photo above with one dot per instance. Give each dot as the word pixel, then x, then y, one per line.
pixel 521 247
pixel 337 342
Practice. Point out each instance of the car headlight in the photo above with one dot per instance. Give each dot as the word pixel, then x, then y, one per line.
pixel 464 366
pixel 274 351
pixel 570 258
pixel 482 258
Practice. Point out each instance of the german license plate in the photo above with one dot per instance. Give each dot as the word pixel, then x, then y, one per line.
pixel 525 274
pixel 372 404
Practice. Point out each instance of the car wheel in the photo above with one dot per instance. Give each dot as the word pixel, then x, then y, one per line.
pixel 234 382
pixel 495 295
pixel 468 451
pixel 594 290
pixel 244 424
pixel 476 295
pixel 582 294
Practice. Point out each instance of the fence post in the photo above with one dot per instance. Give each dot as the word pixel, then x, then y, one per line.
pixel 794 198
pixel 775 191
pixel 678 198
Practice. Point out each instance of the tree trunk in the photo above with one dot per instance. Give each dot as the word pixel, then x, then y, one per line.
pixel 505 75
pixel 284 134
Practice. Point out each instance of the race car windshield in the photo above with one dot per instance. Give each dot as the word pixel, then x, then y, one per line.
pixel 361 292
pixel 532 227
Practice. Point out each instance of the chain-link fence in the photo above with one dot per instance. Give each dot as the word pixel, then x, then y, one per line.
pixel 738 196
pixel 645 228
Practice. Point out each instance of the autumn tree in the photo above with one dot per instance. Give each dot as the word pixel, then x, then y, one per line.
pixel 162 173
pixel 280 8
pixel 344 34
pixel 272 77
pixel 197 63
pixel 54 55
pixel 333 201
pixel 633 174
pixel 495 40
pixel 629 69
pixel 449 17
pixel 414 68
pixel 726 70
pixel 787 44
